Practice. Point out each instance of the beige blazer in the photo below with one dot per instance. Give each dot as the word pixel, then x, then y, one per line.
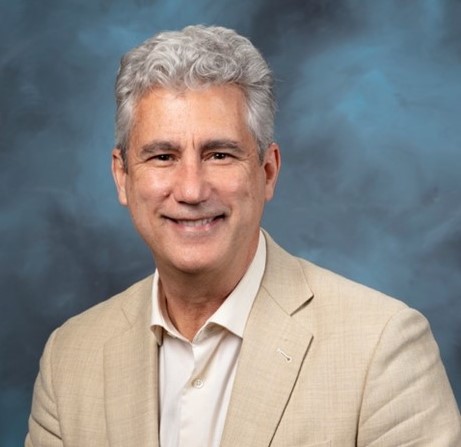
pixel 324 362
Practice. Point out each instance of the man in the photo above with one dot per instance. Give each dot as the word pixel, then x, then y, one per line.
pixel 233 341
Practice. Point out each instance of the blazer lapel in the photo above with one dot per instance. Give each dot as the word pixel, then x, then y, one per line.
pixel 273 350
pixel 130 379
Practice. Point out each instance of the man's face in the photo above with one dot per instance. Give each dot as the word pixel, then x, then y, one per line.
pixel 194 184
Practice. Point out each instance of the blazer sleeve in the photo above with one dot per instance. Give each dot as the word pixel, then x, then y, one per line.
pixel 407 400
pixel 44 430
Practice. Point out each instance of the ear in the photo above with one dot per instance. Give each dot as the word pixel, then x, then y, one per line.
pixel 271 165
pixel 119 173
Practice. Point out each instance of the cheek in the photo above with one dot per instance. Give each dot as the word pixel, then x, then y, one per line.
pixel 246 189
pixel 147 187
pixel 234 184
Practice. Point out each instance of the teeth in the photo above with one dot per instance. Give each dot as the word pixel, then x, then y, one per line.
pixel 195 223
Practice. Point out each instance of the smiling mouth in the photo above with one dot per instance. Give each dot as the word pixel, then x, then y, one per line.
pixel 195 223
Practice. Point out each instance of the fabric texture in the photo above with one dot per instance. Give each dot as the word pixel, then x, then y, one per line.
pixel 324 362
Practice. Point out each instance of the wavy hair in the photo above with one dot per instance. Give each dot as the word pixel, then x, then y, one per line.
pixel 196 57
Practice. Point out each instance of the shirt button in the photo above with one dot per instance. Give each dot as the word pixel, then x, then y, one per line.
pixel 197 383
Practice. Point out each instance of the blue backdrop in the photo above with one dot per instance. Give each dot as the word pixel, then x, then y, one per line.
pixel 369 125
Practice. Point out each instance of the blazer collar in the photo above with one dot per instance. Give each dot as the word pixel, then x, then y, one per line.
pixel 274 347
pixel 130 374
pixel 284 278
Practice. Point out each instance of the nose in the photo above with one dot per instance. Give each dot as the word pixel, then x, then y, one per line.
pixel 191 183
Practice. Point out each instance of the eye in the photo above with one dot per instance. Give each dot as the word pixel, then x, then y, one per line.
pixel 163 157
pixel 220 156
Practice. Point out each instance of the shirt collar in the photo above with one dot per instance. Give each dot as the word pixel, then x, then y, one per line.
pixel 233 312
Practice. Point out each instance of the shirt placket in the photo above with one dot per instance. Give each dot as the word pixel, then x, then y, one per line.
pixel 195 399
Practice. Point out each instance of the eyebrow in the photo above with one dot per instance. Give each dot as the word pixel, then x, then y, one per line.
pixel 222 144
pixel 168 146
pixel 158 146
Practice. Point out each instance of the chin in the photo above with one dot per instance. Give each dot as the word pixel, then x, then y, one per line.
pixel 191 268
pixel 194 264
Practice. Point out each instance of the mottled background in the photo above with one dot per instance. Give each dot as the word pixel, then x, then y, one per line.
pixel 369 124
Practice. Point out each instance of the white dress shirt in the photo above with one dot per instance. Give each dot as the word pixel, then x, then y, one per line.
pixel 196 378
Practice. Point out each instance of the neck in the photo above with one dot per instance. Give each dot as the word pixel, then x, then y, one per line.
pixel 191 301
pixel 191 298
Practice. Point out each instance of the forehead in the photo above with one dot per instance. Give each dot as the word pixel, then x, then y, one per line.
pixel 207 110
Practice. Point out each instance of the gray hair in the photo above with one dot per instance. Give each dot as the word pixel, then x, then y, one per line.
pixel 195 57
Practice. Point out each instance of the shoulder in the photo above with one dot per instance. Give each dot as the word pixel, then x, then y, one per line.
pixel 299 273
pixel 326 300
pixel 106 319
pixel 336 290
